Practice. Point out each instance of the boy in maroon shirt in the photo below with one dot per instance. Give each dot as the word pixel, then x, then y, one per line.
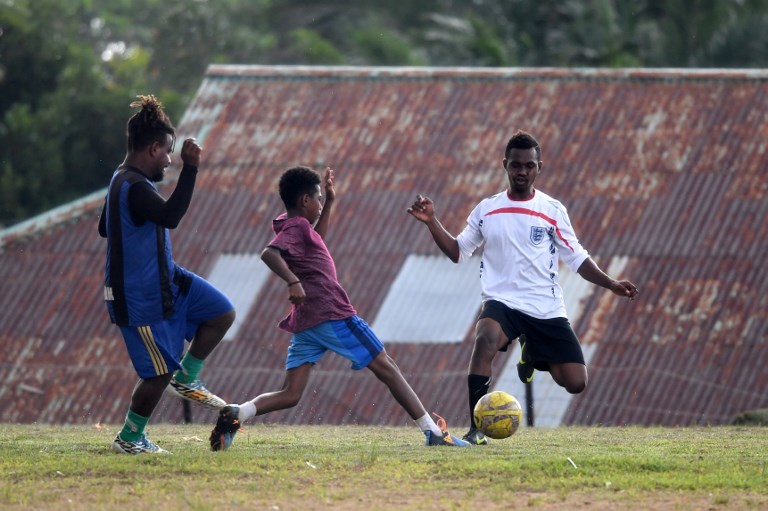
pixel 321 317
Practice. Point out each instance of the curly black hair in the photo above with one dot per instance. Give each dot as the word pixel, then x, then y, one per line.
pixel 295 183
pixel 522 140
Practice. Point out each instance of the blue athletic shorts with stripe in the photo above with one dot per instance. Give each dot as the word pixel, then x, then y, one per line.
pixel 157 349
pixel 351 338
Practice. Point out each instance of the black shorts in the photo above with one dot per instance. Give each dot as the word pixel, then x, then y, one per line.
pixel 547 340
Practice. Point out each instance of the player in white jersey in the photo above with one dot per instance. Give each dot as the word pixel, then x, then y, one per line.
pixel 524 233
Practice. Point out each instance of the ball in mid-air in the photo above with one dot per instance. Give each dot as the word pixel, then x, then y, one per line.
pixel 498 414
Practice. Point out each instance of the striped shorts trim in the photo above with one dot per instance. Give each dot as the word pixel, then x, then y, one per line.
pixel 145 332
pixel 152 349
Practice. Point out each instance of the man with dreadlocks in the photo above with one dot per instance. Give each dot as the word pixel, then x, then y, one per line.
pixel 523 232
pixel 156 303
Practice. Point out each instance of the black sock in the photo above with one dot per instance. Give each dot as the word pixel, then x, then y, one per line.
pixel 478 387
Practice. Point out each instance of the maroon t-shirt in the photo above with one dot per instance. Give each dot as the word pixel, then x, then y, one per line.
pixel 307 256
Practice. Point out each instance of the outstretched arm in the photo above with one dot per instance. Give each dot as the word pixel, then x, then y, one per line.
pixel 423 210
pixel 590 272
pixel 330 196
pixel 272 258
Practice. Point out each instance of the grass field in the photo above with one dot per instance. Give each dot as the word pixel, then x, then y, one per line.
pixel 323 467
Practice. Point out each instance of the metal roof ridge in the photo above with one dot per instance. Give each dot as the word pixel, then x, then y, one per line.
pixel 50 218
pixel 259 70
pixel 59 214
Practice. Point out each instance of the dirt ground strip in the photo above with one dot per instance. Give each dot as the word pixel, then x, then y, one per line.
pixel 380 500
pixel 549 502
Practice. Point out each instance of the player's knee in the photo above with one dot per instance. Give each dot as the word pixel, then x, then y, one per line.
pixel 158 383
pixel 385 369
pixel 576 387
pixel 221 323
pixel 485 344
pixel 228 319
pixel 291 397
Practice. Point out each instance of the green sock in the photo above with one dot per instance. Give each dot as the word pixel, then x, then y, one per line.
pixel 133 427
pixel 192 366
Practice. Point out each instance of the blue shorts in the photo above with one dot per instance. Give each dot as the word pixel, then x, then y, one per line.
pixel 351 338
pixel 157 349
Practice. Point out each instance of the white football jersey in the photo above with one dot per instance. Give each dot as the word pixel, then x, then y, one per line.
pixel 522 243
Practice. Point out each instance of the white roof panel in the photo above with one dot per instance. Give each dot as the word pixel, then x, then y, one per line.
pixel 240 277
pixel 431 300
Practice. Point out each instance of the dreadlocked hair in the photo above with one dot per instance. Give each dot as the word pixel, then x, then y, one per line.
pixel 148 125
pixel 522 140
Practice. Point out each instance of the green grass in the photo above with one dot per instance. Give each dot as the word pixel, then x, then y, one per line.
pixel 322 467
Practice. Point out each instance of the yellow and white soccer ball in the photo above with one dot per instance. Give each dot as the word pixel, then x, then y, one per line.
pixel 498 414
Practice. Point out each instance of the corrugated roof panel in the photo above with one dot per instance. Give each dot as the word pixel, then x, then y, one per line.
pixel 431 300
pixel 240 277
pixel 667 175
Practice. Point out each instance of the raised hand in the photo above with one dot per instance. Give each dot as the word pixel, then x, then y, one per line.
pixel 330 192
pixel 191 152
pixel 423 209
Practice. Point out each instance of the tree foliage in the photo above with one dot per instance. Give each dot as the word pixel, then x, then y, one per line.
pixel 69 68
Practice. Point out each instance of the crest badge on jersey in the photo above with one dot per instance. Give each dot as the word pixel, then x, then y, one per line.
pixel 537 234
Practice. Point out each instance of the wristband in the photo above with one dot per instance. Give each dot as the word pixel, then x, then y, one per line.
pixel 294 282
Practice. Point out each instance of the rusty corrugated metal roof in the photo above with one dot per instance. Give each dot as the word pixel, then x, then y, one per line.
pixel 662 170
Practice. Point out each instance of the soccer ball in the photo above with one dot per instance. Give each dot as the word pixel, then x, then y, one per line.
pixel 498 415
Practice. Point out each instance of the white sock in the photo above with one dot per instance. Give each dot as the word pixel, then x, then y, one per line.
pixel 425 424
pixel 247 411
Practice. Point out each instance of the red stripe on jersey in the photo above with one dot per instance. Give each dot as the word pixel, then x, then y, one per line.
pixel 530 212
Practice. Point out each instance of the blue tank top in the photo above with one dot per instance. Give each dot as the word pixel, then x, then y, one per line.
pixel 140 270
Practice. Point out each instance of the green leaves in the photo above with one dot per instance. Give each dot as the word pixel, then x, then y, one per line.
pixel 69 68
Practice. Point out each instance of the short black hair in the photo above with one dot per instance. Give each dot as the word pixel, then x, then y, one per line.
pixel 148 125
pixel 523 140
pixel 295 183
